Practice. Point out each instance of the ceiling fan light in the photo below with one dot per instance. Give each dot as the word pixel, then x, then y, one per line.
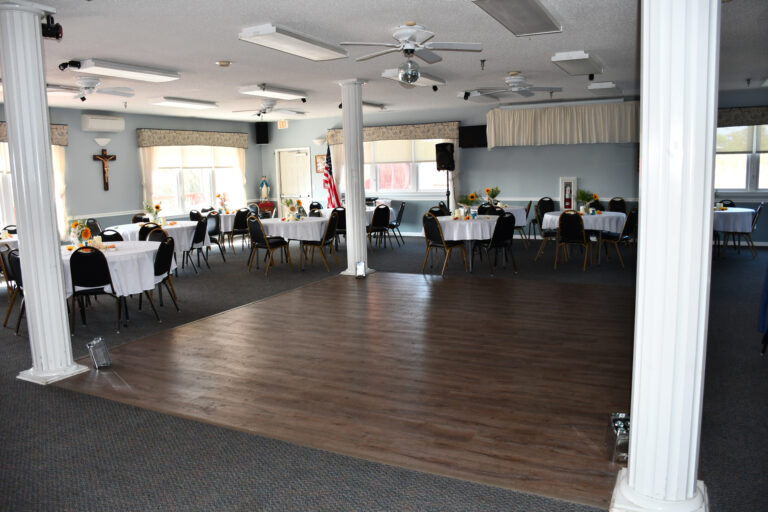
pixel 603 89
pixel 408 72
pixel 521 17
pixel 267 91
pixel 119 70
pixel 282 39
pixel 577 63
pixel 169 101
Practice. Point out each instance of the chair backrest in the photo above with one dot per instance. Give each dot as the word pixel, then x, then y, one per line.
pixel 504 230
pixel 596 204
pixel 380 218
pixel 757 215
pixel 330 228
pixel 5 267
pixel 727 202
pixel 437 211
pixel 444 208
pixel 571 228
pixel 164 256
pixel 254 207
pixel 213 221
pixel 200 232
pixel 400 211
pixel 617 204
pixel 241 219
pixel 432 230
pixel 341 222
pixel 485 209
pixel 10 228
pixel 314 205
pixel 146 228
pixel 94 226
pixel 544 205
pixel 110 235
pixel 195 215
pixel 139 217
pixel 206 210
pixel 528 209
pixel 14 265
pixel 315 213
pixel 156 235
pixel 256 232
pixel 630 225
pixel 498 210
pixel 89 268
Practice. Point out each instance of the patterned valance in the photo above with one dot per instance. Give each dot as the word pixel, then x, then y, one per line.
pixel 743 116
pixel 59 134
pixel 447 130
pixel 569 124
pixel 148 137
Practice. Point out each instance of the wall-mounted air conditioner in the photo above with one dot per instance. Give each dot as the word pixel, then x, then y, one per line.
pixel 97 123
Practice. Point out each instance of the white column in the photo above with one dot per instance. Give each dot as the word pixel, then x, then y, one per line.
pixel 678 113
pixel 352 123
pixel 29 141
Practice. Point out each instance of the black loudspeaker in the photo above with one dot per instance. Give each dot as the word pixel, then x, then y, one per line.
pixel 444 156
pixel 262 133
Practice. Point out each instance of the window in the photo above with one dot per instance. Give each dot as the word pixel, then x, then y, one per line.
pixel 189 177
pixel 741 163
pixel 402 166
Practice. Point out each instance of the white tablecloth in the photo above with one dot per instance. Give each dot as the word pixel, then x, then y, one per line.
pixel 183 231
pixel 131 264
pixel 612 222
pixel 307 229
pixel 12 242
pixel 227 222
pixel 735 220
pixel 479 228
pixel 368 214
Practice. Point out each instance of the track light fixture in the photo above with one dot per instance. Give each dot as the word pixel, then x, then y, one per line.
pixel 52 30
pixel 434 88
pixel 466 95
pixel 74 64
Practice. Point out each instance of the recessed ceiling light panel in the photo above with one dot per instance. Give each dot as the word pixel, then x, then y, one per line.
pixel 604 89
pixel 267 91
pixel 577 63
pixel 119 70
pixel 521 17
pixel 169 101
pixel 282 39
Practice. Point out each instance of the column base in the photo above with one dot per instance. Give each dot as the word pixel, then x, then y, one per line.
pixel 352 272
pixel 626 499
pixel 45 378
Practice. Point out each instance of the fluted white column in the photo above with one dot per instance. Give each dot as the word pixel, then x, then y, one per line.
pixel 29 141
pixel 352 123
pixel 678 104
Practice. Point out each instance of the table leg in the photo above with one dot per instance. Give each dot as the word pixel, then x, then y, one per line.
pixel 599 243
pixel 468 247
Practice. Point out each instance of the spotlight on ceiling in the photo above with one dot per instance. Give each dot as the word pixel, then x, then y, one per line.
pixel 466 95
pixel 408 71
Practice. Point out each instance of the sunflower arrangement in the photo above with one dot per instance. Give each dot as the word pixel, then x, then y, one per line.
pixel 491 193
pixel 79 233
pixel 222 200
pixel 468 199
pixel 585 196
pixel 153 209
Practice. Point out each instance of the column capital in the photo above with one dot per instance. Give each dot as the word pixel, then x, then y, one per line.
pixel 24 5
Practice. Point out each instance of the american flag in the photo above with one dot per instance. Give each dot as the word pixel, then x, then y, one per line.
pixel 329 183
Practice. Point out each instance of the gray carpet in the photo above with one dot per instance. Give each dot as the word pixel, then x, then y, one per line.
pixel 65 451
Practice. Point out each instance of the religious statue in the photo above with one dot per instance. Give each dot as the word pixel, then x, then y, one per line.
pixel 264 187
pixel 105 158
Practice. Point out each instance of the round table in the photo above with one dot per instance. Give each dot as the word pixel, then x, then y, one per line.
pixel 479 228
pixel 182 231
pixel 131 265
pixel 307 229
pixel 326 212
pixel 12 242
pixel 612 222
pixel 734 220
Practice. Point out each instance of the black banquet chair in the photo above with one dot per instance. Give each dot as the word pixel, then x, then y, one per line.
pixel 260 240
pixel 545 205
pixel 327 240
pixel 240 226
pixel 617 204
pixel 503 234
pixel 435 240
pixel 157 235
pixel 195 215
pixel 341 224
pixel 379 227
pixel 395 226
pixel 14 269
pixel 94 226
pixel 110 235
pixel 197 244
pixel 571 232
pixel 163 258
pixel 314 205
pixel 10 228
pixel 139 217
pixel 625 237
pixel 145 230
pixel 486 209
pixel 438 212
pixel 213 222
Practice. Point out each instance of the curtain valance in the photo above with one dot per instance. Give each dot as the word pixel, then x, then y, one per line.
pixel 148 137
pixel 59 134
pixel 743 116
pixel 447 130
pixel 570 124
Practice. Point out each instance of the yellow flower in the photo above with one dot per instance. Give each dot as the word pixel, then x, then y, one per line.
pixel 472 196
pixel 85 234
pixel 467 217
pixel 487 191
pixel 594 197
pixel 75 225
pixel 298 202
pixel 218 195
pixel 157 207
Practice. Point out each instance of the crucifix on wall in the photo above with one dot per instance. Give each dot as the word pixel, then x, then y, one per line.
pixel 105 159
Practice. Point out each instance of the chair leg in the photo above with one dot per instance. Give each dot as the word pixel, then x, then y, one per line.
pixel 288 256
pixel 205 258
pixel 426 257
pixel 558 247
pixel 270 262
pixel 541 248
pixel 335 257
pixel 21 314
pixel 445 262
pixel 171 292
pixel 587 251
pixel 322 255
pixel 621 260
pixel 221 250
pixel 119 312
pixel 151 305
pixel 10 306
pixel 488 256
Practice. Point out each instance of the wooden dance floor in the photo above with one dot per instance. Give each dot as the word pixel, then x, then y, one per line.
pixel 504 382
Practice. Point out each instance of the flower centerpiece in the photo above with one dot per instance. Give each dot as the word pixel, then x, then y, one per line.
pixel 222 198
pixel 293 210
pixel 153 210
pixel 79 233
pixel 584 197
pixel 491 193
pixel 467 199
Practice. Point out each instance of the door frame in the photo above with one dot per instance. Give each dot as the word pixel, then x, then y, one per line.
pixel 278 177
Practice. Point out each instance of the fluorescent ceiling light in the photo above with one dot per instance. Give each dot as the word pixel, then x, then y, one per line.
pixel 521 17
pixel 119 70
pixel 168 101
pixel 280 38
pixel 603 89
pixel 267 91
pixel 424 78
pixel 577 63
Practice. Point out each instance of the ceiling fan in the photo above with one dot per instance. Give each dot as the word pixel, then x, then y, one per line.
pixel 414 40
pixel 516 83
pixel 88 85
pixel 268 107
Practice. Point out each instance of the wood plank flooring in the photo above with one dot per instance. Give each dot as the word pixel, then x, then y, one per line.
pixel 504 382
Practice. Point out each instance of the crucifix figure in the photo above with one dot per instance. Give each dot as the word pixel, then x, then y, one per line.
pixel 105 158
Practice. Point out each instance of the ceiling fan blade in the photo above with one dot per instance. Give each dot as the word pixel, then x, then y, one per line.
pixel 356 43
pixel 546 89
pixel 249 110
pixel 287 112
pixel 525 93
pixel 405 85
pixel 125 92
pixel 377 54
pixel 428 56
pixel 456 47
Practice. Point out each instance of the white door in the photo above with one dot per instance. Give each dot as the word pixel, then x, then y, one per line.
pixel 295 174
